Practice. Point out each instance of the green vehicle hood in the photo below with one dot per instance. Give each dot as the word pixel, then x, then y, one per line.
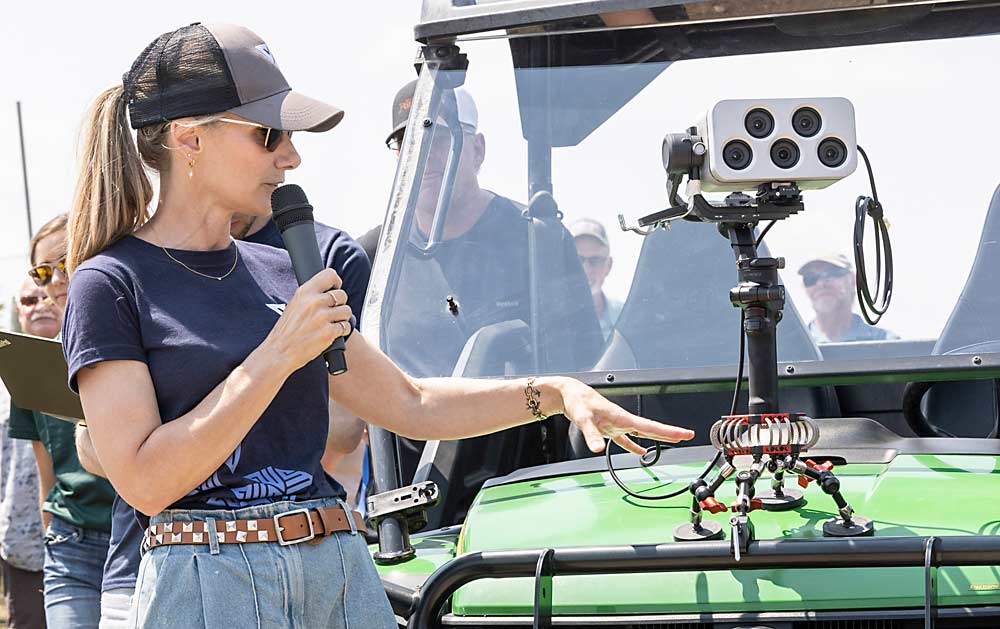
pixel 910 495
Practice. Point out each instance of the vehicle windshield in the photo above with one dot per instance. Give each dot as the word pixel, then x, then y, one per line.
pixel 483 284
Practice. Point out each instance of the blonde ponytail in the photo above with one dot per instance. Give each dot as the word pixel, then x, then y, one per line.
pixel 113 191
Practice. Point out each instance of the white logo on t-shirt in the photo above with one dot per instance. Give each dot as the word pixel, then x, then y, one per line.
pixel 279 308
pixel 264 50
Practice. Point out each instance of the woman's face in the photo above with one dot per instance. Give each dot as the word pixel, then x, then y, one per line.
pixel 235 169
pixel 50 250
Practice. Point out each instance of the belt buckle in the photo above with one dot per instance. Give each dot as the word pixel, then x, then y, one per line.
pixel 278 528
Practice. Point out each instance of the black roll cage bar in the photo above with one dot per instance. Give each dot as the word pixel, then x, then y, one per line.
pixel 423 607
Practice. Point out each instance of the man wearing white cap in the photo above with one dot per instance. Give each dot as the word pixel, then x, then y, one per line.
pixel 829 282
pixel 482 262
pixel 594 252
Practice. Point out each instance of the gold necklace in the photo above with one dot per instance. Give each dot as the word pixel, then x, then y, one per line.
pixel 211 277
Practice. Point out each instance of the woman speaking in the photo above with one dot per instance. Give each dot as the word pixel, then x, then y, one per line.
pixel 208 409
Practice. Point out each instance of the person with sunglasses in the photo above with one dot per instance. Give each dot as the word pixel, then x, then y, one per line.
pixel 594 250
pixel 76 507
pixel 198 359
pixel 339 252
pixel 829 283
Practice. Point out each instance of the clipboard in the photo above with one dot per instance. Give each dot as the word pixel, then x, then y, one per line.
pixel 35 373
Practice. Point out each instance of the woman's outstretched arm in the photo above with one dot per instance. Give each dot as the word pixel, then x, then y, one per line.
pixel 451 408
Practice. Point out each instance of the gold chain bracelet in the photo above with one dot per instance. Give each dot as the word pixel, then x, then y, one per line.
pixel 533 400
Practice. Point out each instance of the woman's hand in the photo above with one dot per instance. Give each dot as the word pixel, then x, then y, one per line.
pixel 599 419
pixel 316 315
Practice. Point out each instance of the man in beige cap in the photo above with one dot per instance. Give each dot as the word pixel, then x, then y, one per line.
pixel 829 282
pixel 594 251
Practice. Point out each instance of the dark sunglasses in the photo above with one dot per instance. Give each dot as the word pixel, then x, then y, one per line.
pixel 593 260
pixel 43 273
pixel 30 300
pixel 270 137
pixel 811 279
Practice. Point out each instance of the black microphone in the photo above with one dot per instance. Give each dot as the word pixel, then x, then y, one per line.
pixel 294 217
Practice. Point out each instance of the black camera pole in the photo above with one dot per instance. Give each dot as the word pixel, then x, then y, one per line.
pixel 762 297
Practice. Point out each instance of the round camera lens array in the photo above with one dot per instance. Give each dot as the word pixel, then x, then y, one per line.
pixel 737 154
pixel 832 152
pixel 806 122
pixel 759 123
pixel 785 153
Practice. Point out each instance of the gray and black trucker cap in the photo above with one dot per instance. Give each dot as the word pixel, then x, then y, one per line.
pixel 211 68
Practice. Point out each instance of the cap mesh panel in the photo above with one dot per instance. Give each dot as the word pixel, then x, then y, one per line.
pixel 182 73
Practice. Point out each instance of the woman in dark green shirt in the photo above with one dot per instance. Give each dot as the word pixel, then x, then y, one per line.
pixel 76 505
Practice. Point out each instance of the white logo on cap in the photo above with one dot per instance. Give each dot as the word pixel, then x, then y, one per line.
pixel 279 308
pixel 264 50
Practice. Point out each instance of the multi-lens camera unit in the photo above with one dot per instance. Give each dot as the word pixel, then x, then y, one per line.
pixel 741 144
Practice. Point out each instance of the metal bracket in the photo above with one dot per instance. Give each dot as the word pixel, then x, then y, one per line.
pixel 445 57
pixel 930 583
pixel 543 590
pixel 410 502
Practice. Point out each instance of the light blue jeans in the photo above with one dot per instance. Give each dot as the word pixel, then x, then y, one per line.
pixel 74 565
pixel 329 584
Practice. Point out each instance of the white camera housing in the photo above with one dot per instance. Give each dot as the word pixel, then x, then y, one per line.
pixel 726 123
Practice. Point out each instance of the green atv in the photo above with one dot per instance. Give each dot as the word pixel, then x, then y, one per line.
pixel 842 475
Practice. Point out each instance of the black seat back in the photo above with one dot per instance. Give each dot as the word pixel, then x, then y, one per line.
pixel 678 314
pixel 969 409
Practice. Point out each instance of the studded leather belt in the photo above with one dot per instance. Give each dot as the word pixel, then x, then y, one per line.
pixel 291 527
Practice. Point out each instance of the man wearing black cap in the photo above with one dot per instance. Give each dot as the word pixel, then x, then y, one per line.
pixel 479 226
pixel 829 282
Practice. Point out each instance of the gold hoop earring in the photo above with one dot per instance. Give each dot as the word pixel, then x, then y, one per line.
pixel 190 167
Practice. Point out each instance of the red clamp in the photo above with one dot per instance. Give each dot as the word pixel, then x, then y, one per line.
pixel 826 466
pixel 755 504
pixel 712 505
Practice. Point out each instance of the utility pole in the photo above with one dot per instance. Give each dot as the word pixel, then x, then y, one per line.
pixel 24 170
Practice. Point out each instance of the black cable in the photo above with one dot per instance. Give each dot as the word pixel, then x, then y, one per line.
pixel 872 307
pixel 656 447
pixel 760 238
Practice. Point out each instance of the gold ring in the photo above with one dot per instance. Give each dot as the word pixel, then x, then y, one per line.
pixel 346 327
pixel 335 304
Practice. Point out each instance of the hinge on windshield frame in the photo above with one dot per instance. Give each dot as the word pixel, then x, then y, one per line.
pixel 442 57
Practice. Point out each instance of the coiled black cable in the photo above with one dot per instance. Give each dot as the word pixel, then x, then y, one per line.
pixel 873 306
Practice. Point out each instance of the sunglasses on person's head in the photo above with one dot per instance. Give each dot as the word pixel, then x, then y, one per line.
pixel 270 136
pixel 811 279
pixel 43 273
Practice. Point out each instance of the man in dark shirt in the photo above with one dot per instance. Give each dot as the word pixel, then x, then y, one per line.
pixel 479 273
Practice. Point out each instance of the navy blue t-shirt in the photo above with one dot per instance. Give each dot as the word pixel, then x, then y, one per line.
pixel 339 251
pixel 132 302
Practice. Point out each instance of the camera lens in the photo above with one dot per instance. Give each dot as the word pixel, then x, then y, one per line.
pixel 784 154
pixel 737 154
pixel 759 123
pixel 806 122
pixel 832 152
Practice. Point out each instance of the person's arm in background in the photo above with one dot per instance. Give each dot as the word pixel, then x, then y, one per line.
pixel 343 437
pixel 46 478
pixel 85 452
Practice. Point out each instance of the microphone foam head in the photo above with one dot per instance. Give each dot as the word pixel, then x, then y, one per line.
pixel 290 206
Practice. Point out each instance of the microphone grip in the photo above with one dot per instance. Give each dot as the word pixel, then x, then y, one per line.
pixel 300 242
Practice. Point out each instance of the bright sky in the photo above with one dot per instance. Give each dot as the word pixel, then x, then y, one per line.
pixel 58 58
